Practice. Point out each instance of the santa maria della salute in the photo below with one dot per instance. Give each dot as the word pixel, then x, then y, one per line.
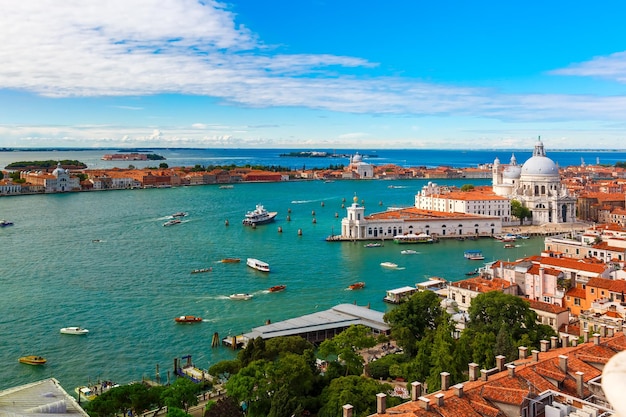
pixel 537 185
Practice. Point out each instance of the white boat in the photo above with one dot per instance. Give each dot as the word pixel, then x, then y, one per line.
pixel 389 265
pixel 85 393
pixel 474 255
pixel 408 252
pixel 259 216
pixel 258 265
pixel 172 222
pixel 74 330
pixel 226 187
pixel 240 296
pixel 413 238
pixel 179 214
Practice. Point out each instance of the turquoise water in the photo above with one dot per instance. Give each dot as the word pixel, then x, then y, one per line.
pixel 128 288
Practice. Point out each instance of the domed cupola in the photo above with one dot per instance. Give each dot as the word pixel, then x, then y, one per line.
pixel 539 164
pixel 357 158
pixel 58 170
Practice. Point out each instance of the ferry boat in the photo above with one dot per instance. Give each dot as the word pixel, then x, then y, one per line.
pixel 240 296
pixel 259 216
pixel 413 238
pixel 187 319
pixel 258 265
pixel 32 360
pixel 356 285
pixel 74 330
pixel 474 255
pixel 277 288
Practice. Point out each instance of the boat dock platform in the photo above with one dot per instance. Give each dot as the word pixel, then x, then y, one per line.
pixel 188 370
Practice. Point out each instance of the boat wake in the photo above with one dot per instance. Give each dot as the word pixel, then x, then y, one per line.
pixel 303 201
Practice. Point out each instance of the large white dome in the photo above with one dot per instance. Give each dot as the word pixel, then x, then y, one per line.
pixel 540 165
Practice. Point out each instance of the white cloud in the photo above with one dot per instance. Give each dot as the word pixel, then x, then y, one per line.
pixel 612 67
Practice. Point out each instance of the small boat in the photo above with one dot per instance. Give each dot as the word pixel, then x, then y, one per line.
pixel 240 296
pixel 408 252
pixel 32 360
pixel 373 245
pixel 179 214
pixel 258 265
pixel 74 330
pixel 172 222
pixel 472 273
pixel 85 393
pixel 259 216
pixel 201 270
pixel 509 246
pixel 356 286
pixel 226 187
pixel 389 265
pixel 413 238
pixel 188 319
pixel 230 260
pixel 277 288
pixel 474 255
pixel 4 223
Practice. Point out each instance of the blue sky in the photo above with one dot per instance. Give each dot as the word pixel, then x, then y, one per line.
pixel 313 74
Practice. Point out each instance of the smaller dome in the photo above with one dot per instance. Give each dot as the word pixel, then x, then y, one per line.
pixel 355 199
pixel 357 158
pixel 496 161
pixel 58 170
pixel 512 172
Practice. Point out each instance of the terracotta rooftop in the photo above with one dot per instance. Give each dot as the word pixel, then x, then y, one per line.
pixel 547 307
pixel 482 285
pixel 412 213
pixel 616 286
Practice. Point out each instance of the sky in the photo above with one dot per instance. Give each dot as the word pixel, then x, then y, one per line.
pixel 313 74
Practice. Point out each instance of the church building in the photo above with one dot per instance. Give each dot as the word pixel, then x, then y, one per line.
pixel 536 185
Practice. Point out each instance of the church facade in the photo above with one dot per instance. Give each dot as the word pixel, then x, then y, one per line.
pixel 536 184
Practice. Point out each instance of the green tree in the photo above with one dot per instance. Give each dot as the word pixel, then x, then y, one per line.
pixel 181 394
pixel 163 165
pixel 467 187
pixel 224 407
pixel 358 391
pixel 441 356
pixel 411 320
pixel 251 386
pixel 345 347
pixel 224 369
pixel 520 211
pixel 176 412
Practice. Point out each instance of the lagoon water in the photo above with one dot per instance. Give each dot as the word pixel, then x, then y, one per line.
pixel 128 287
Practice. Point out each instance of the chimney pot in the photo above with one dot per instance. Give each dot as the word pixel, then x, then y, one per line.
pixel 473 371
pixel 535 354
pixel 603 330
pixel 610 331
pixel 439 398
pixel 523 350
pixel 458 390
pixel 596 339
pixel 445 380
pixel 347 410
pixel 416 390
pixel 511 370
pixel 424 403
pixel 553 342
pixel 565 340
pixel 483 375
pixel 563 363
pixel 381 403
pixel 500 362
pixel 579 384
pixel 544 345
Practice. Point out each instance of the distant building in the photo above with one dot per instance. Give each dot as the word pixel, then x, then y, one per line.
pixel 357 169
pixel 59 181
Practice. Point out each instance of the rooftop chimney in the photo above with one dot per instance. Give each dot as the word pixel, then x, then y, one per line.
pixel 445 380
pixel 500 362
pixel 381 403
pixel 574 342
pixel 347 410
pixel 596 339
pixel 473 371
pixel 565 340
pixel 579 384
pixel 439 398
pixel 535 355
pixel 424 403
pixel 522 352
pixel 603 330
pixel 484 376
pixel 610 331
pixel 544 345
pixel 458 390
pixel 416 390
pixel 563 363
pixel 511 370
pixel 553 342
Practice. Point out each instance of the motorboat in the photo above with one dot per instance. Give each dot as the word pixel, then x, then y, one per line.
pixel 201 270
pixel 240 296
pixel 356 285
pixel 277 288
pixel 258 265
pixel 226 187
pixel 230 260
pixel 474 255
pixel 259 216
pixel 372 245
pixel 389 265
pixel 408 252
pixel 85 393
pixel 32 360
pixel 172 222
pixel 4 223
pixel 187 319
pixel 74 330
pixel 179 214
pixel 509 246
pixel 413 238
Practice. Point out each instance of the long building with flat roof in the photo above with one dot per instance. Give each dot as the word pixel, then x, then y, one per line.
pixel 322 325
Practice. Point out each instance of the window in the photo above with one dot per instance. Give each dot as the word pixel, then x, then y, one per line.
pixel 577 301
pixel 463 299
